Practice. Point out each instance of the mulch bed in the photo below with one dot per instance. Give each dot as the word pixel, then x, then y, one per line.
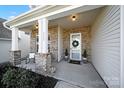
pixel 33 79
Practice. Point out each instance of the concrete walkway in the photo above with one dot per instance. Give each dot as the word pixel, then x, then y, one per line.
pixel 63 84
pixel 75 76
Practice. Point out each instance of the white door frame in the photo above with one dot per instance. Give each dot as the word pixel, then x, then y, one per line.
pixel 71 46
pixel 60 43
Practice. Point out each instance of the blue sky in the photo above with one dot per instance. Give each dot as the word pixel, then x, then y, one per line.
pixel 10 11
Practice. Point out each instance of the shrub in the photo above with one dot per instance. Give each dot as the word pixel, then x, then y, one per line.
pixel 19 78
pixel 3 68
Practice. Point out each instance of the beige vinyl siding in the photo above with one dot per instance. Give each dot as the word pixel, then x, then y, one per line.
pixel 105 46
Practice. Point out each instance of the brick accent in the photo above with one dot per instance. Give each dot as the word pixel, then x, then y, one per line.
pixel 15 57
pixel 53 31
pixel 33 46
pixel 43 64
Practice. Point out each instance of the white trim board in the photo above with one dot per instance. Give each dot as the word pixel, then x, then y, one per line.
pixel 122 47
pixel 5 39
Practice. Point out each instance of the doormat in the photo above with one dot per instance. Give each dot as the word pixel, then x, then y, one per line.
pixel 74 62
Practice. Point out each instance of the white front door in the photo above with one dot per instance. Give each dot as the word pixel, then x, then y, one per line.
pixel 75 46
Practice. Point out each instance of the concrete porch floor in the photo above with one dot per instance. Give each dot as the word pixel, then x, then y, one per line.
pixel 73 75
pixel 83 75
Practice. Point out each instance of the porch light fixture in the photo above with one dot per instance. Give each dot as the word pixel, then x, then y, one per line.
pixel 73 18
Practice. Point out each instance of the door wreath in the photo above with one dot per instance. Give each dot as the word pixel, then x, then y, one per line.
pixel 75 43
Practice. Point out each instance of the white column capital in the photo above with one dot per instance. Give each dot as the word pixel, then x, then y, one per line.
pixel 14 39
pixel 42 20
pixel 43 35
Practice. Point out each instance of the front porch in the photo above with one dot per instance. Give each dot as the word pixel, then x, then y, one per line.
pixel 90 32
pixel 73 75
pixel 50 38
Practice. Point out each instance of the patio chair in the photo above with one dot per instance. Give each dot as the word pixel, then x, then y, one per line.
pixel 31 58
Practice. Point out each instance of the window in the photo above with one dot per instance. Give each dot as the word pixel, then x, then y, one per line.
pixel 37 42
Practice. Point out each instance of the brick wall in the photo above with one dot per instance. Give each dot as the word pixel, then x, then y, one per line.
pixel 53 34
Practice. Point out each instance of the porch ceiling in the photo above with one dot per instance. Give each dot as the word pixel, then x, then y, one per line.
pixel 83 19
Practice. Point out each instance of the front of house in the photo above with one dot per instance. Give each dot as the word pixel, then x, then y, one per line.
pixel 56 29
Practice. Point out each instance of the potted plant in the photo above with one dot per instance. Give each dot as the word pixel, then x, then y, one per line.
pixel 85 56
pixel 66 54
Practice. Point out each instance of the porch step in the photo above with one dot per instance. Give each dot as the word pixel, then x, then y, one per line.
pixel 62 84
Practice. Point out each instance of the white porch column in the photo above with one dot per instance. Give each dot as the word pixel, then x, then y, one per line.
pixel 43 59
pixel 43 35
pixel 15 53
pixel 14 39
